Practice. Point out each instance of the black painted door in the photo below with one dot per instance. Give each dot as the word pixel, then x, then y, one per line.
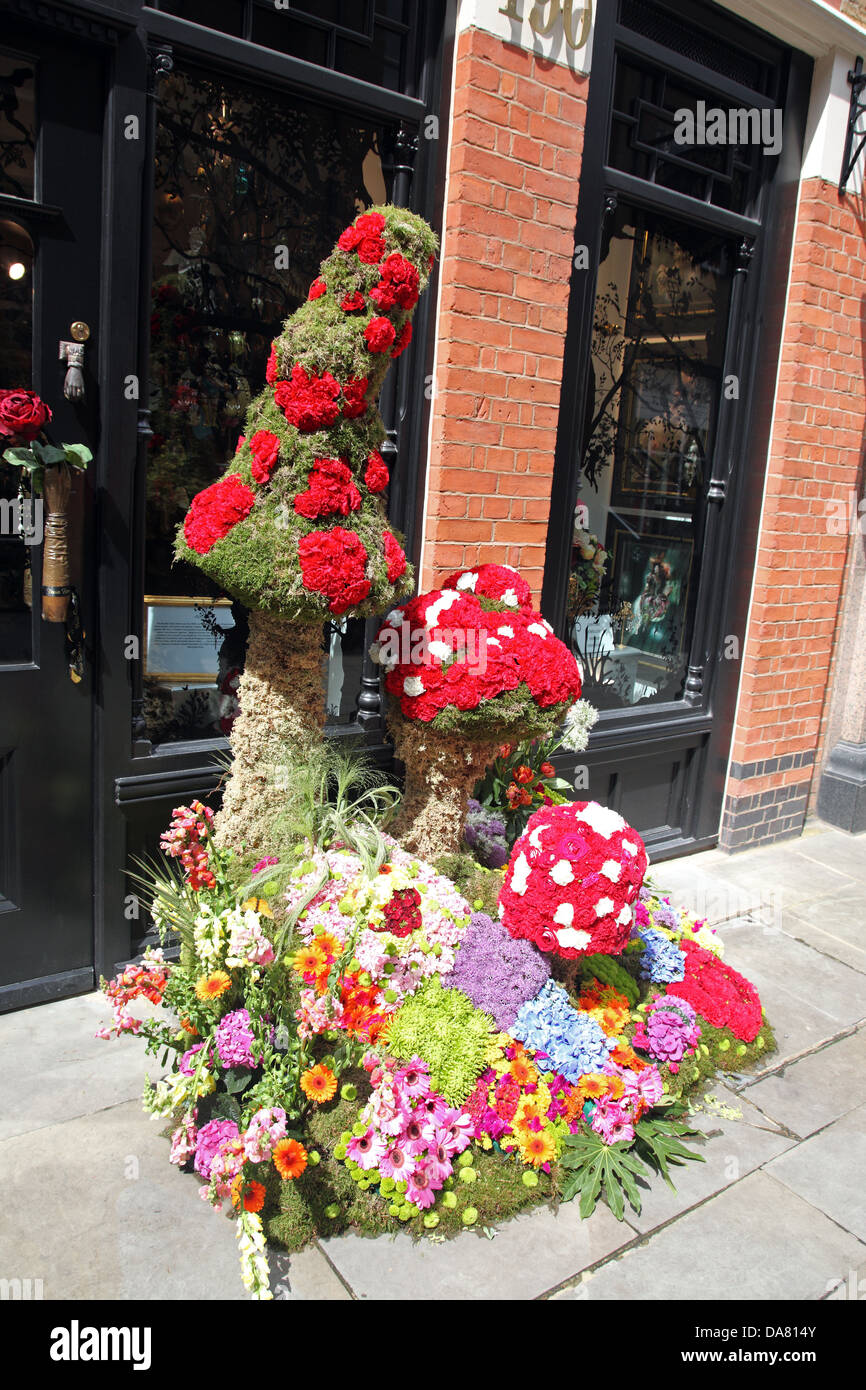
pixel 51 105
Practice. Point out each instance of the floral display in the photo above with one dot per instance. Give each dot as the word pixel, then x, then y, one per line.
pixel 588 564
pixel 485 834
pixel 496 972
pixel 718 993
pixel 572 879
pixel 668 1031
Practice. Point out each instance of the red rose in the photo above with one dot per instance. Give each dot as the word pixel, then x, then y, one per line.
pixel 379 334
pixel 547 770
pixel 334 563
pixel 265 450
pixel 309 402
pixel 318 288
pixel 22 413
pixel 404 338
pixel 272 371
pixel 353 302
pixel 215 511
pixel 376 475
pixel 354 403
pixel 331 491
pixel 395 557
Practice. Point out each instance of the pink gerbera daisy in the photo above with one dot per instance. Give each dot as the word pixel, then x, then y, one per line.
pixel 365 1149
pixel 417 1134
pixel 435 1108
pixel 420 1190
pixel 414 1079
pixel 396 1163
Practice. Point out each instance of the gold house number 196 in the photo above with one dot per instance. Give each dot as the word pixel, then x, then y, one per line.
pixel 576 18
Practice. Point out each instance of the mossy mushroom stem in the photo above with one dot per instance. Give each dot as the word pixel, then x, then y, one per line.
pixel 441 772
pixel 282 714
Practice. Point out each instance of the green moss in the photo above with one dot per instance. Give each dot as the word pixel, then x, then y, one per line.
pixel 444 1028
pixel 476 883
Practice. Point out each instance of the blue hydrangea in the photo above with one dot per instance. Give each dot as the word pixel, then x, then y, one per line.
pixel 661 960
pixel 573 1041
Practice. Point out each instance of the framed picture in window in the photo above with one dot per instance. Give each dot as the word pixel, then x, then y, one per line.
pixel 651 583
pixel 663 439
pixel 183 637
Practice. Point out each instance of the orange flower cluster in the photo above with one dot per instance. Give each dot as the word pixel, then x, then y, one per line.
pixel 594 1085
pixel 606 1005
pixel 319 1084
pixel 362 1013
pixel 253 1194
pixel 290 1158
pixel 314 962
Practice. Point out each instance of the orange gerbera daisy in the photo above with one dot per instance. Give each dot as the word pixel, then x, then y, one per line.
pixel 593 1085
pixel 212 986
pixel 309 960
pixel 529 1109
pixel 523 1071
pixel 329 944
pixel 253 1194
pixel 319 1084
pixel 625 1056
pixel 290 1158
pixel 537 1148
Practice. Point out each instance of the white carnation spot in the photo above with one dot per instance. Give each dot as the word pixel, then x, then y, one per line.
pixel 537 629
pixel 413 685
pixel 561 872
pixel 564 914
pixel 570 937
pixel 468 580
pixel 505 631
pixel 612 870
pixel 601 819
pixel 535 837
pixel 440 650
pixel 630 847
pixel 520 874
pixel 510 598
pixel 603 907
pixel 624 917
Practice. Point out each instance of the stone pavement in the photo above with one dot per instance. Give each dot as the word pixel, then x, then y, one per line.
pixel 778 1210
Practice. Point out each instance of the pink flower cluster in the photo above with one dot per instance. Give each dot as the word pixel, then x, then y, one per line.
pixel 248 944
pixel 412 1134
pixel 265 1129
pixel 144 981
pixel 234 1039
pixel 615 1120
pixel 184 1140
pixel 186 839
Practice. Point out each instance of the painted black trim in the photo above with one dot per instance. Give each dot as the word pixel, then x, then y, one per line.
pixel 46 988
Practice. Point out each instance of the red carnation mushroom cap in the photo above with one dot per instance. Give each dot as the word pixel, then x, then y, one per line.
pixel 571 880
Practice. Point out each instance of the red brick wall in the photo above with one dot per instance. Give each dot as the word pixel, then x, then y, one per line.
pixel 514 170
pixel 814 461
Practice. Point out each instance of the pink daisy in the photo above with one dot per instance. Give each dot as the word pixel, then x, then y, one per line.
pixel 420 1189
pixel 396 1163
pixel 365 1149
pixel 414 1079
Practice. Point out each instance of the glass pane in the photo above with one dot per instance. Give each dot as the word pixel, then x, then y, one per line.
pixel 252 189
pixel 657 358
pixel 17 126
pixel 16 305
pixel 16 369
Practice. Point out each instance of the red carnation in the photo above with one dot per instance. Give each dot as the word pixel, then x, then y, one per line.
pixel 398 284
pixel 265 450
pixel 334 563
pixel 364 237
pixel 354 402
pixel 352 302
pixel 240 444
pixel 376 475
pixel 720 994
pixel 215 511
pixel 331 491
pixel 404 338
pixel 308 402
pixel 272 371
pixel 318 288
pixel 379 334
pixel 395 557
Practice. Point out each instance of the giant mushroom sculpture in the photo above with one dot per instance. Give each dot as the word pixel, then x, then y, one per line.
pixel 466 666
pixel 296 529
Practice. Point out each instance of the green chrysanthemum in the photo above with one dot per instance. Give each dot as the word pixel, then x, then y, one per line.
pixel 444 1028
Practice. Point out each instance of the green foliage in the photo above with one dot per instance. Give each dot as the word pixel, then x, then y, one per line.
pixel 595 1167
pixel 35 457
pixel 479 886
pixel 718 1050
pixel 658 1140
pixel 444 1028
pixel 608 971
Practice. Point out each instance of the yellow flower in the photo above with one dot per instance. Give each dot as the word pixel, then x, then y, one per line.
pixel 259 905
pixel 212 986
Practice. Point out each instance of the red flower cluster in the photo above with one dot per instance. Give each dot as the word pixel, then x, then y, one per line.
pixel 376 475
pixel 308 402
pixel 571 880
pixel 334 563
pixel 362 1012
pixel 352 302
pixel 272 371
pixel 215 511
pixel 489 652
pixel 145 981
pixel 402 913
pixel 354 402
pixel 331 491
pixel 717 992
pixel 398 284
pixel 379 334
pixel 395 557
pixel 497 582
pixel 186 839
pixel 22 413
pixel 404 338
pixel 318 288
pixel 364 236
pixel 265 450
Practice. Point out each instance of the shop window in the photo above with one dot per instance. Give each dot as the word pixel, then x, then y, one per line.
pixel 17 126
pixel 240 173
pixel 19 539
pixel 655 383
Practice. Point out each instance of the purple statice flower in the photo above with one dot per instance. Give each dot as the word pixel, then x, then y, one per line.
pixel 234 1039
pixel 211 1138
pixel 497 972
pixel 669 1030
pixel 661 960
pixel 485 834
pixel 665 916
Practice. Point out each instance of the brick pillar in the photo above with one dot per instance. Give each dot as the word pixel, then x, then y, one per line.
pixel 511 203
pixel 813 470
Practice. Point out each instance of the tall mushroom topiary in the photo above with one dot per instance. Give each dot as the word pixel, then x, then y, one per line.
pixel 296 528
pixel 467 665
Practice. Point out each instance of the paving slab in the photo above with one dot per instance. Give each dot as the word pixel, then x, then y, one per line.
pixel 305 1277
pixel 31 1102
pixel 529 1255
pixel 787 867
pixel 809 998
pixel 836 850
pixel 54 1035
pixel 710 893
pixel 739 1140
pixel 827 1171
pixel 756 1240
pixel 835 926
pixel 813 1092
